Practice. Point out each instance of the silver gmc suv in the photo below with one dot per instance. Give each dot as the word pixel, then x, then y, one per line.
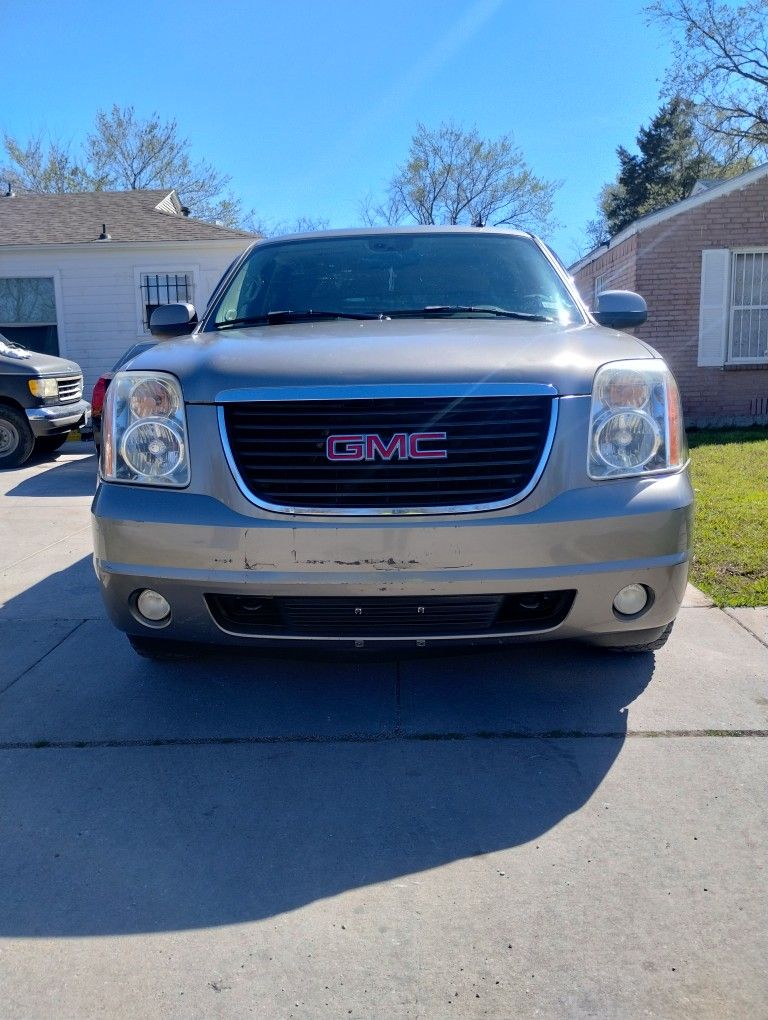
pixel 414 436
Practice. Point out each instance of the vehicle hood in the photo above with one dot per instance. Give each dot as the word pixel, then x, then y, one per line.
pixel 374 352
pixel 31 364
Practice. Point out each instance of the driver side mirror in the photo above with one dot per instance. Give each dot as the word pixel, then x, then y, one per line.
pixel 172 320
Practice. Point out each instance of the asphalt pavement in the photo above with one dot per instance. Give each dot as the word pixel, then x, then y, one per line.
pixel 541 831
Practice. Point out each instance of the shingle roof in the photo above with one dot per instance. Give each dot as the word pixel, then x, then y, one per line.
pixel 152 215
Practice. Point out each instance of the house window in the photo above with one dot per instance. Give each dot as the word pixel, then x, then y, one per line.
pixel 28 312
pixel 601 284
pixel 733 308
pixel 748 334
pixel 163 289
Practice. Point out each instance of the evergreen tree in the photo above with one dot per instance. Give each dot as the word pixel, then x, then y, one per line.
pixel 672 156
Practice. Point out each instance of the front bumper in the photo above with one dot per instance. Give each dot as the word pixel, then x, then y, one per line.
pixel 592 540
pixel 58 418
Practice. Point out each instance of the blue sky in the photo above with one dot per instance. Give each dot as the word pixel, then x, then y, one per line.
pixel 309 105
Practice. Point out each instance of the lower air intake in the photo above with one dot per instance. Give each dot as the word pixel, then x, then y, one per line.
pixel 393 617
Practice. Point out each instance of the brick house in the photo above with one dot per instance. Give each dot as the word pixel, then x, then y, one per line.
pixel 702 267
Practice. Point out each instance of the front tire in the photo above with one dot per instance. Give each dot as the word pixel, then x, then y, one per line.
pixel 16 439
pixel 50 444
pixel 649 646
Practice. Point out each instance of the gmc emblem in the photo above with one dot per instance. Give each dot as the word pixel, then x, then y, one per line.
pixel 369 446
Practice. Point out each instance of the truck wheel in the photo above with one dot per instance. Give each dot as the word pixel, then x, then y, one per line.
pixel 160 650
pixel 50 444
pixel 650 646
pixel 16 439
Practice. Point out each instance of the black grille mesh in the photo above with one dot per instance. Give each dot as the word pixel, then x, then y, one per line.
pixel 494 445
pixel 394 616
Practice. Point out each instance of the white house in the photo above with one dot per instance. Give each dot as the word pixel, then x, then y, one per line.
pixel 80 274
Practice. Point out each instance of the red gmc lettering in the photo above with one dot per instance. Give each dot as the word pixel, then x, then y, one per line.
pixel 345 447
pixel 416 438
pixel 369 446
pixel 396 446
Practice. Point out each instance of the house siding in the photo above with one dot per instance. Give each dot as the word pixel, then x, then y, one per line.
pixel 665 267
pixel 669 275
pixel 97 300
pixel 618 266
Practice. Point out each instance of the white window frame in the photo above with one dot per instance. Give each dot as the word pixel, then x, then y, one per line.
pixel 730 359
pixel 58 297
pixel 168 269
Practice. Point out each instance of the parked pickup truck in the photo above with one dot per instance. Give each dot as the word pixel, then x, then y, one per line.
pixel 41 401
pixel 403 437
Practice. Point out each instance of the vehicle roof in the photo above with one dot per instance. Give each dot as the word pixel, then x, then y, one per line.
pixel 378 231
pixel 135 349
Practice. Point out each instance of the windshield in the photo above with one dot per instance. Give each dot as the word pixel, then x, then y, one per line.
pixel 459 274
pixel 132 352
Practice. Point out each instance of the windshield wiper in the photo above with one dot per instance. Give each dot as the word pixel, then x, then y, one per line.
pixel 279 316
pixel 505 313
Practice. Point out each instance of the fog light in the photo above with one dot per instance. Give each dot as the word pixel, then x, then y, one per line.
pixel 631 600
pixel 152 606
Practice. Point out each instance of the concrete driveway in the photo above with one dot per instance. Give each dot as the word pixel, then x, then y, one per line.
pixel 544 831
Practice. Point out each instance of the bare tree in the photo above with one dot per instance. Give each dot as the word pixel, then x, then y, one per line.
pixel 721 62
pixel 454 176
pixel 124 153
pixel 131 153
pixel 268 227
pixel 45 169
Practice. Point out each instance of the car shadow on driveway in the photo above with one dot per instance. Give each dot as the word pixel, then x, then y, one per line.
pixel 64 476
pixel 138 797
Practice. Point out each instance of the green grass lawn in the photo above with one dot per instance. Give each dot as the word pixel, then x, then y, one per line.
pixel 729 468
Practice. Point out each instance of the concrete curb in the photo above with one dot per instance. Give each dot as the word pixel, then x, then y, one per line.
pixel 695 599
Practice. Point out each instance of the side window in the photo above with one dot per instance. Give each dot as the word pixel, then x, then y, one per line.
pixel 28 312
pixel 163 289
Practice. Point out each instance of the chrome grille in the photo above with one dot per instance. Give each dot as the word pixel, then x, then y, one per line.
pixel 70 388
pixel 496 447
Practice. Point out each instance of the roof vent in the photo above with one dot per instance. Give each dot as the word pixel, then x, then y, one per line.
pixel 10 193
pixel 185 210
pixel 104 236
pixel 702 185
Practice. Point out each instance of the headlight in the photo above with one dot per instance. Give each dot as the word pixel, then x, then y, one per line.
pixel 46 389
pixel 145 432
pixel 636 425
pixel 153 398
